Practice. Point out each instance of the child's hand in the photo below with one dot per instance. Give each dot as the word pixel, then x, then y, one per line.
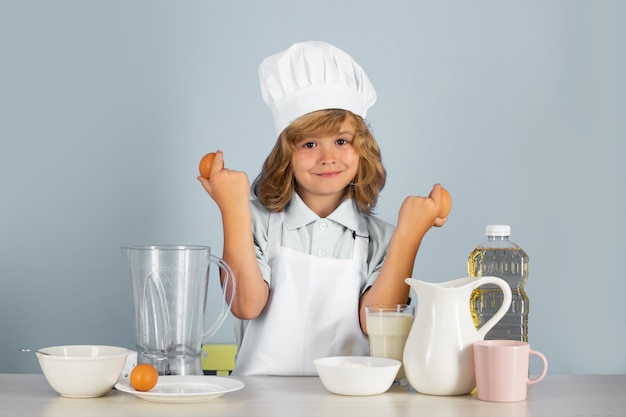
pixel 418 214
pixel 229 189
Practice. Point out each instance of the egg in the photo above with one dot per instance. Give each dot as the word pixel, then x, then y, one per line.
pixel 446 203
pixel 206 164
pixel 144 377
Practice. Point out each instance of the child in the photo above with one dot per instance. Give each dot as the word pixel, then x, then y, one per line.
pixel 306 251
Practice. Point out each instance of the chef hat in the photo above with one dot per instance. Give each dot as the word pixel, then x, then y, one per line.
pixel 310 76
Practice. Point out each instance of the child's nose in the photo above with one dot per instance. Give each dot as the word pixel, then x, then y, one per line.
pixel 327 156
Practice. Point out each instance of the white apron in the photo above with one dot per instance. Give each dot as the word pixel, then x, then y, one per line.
pixel 312 311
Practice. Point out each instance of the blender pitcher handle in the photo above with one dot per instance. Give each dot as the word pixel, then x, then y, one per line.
pixel 504 307
pixel 229 279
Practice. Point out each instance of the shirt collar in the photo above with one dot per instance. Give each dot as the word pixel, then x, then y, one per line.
pixel 298 214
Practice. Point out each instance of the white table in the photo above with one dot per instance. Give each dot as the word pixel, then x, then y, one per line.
pixel 556 395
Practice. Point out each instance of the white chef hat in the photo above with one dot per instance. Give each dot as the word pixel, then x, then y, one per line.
pixel 310 76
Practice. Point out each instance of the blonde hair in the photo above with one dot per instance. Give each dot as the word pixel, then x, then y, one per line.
pixel 276 183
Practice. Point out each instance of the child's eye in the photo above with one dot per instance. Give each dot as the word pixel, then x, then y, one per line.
pixel 308 145
pixel 342 142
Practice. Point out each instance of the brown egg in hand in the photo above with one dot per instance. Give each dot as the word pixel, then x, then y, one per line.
pixel 206 164
pixel 446 203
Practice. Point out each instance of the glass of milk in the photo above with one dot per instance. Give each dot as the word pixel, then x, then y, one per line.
pixel 388 327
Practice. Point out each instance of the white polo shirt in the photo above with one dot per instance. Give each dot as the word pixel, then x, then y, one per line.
pixel 331 237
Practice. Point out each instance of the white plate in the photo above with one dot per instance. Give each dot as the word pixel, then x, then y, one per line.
pixel 184 389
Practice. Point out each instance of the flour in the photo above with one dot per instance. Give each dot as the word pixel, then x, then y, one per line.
pixel 354 365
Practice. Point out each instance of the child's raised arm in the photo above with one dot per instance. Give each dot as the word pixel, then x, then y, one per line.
pixel 231 191
pixel 417 215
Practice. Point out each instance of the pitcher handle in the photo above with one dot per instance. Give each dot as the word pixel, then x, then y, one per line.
pixel 229 278
pixel 504 307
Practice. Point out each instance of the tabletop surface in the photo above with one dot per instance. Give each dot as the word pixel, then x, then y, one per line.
pixel 556 395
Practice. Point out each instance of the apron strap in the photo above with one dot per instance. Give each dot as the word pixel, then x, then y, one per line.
pixel 274 234
pixel 361 241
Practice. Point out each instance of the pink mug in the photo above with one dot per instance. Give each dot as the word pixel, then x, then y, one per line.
pixel 501 368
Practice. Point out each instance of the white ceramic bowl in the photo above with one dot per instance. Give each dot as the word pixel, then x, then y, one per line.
pixel 357 375
pixel 82 371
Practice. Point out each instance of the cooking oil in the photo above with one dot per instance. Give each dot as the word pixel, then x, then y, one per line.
pixel 500 257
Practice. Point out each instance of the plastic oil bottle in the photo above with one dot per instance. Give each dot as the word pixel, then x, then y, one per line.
pixel 500 257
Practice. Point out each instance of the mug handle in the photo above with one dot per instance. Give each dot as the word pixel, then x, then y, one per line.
pixel 229 279
pixel 504 307
pixel 545 367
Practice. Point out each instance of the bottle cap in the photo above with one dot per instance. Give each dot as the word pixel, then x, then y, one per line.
pixel 498 230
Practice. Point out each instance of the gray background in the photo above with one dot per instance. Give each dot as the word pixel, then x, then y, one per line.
pixel 106 107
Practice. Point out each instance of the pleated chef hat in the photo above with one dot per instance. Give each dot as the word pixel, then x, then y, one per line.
pixel 310 76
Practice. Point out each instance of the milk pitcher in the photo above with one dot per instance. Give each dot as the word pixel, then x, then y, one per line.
pixel 169 286
pixel 438 356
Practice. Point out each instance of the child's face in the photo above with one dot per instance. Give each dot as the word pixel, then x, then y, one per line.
pixel 324 166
